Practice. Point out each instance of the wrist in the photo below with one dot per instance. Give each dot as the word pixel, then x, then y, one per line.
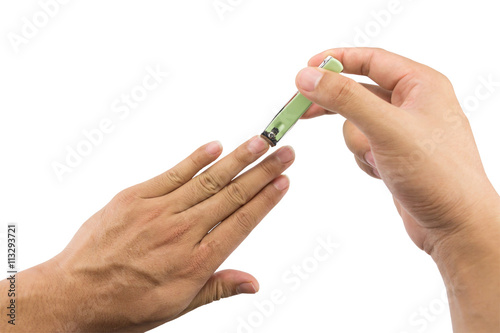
pixel 47 299
pixel 471 242
pixel 36 300
pixel 469 262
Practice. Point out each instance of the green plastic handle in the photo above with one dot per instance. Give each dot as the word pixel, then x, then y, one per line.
pixel 294 109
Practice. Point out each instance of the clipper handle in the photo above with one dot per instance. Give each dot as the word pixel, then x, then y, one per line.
pixel 294 109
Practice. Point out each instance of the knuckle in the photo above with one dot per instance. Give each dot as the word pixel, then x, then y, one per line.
pixel 442 76
pixel 270 199
pixel 241 156
pixel 209 183
pixel 446 80
pixel 173 177
pixel 379 49
pixel 177 233
pixel 126 197
pixel 219 292
pixel 237 194
pixel 152 214
pixel 208 248
pixel 377 52
pixel 344 92
pixel 216 291
pixel 245 221
pixel 268 168
pixel 353 138
pixel 347 131
pixel 197 159
pixel 346 127
pixel 201 260
pixel 429 75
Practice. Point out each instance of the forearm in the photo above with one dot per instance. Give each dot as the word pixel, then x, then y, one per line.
pixel 470 266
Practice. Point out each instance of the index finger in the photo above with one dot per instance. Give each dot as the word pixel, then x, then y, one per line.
pixel 383 67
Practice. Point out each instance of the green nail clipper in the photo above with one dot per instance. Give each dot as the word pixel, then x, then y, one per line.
pixel 294 109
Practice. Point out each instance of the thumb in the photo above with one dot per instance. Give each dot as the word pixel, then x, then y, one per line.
pixel 337 93
pixel 224 284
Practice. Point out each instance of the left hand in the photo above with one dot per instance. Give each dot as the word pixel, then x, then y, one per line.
pixel 150 255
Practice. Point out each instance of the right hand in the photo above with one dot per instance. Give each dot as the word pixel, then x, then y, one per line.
pixel 411 132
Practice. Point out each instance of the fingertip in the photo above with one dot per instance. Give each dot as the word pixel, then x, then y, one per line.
pixel 247 288
pixel 308 79
pixel 316 60
pixel 316 111
pixel 214 148
pixel 285 154
pixel 239 282
pixel 370 159
pixel 370 171
pixel 251 285
pixel 256 285
pixel 258 145
pixel 282 183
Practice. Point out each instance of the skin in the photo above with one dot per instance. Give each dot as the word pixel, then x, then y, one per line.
pixel 147 257
pixel 410 131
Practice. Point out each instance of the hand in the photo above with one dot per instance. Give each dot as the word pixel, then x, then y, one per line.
pixel 410 131
pixel 149 256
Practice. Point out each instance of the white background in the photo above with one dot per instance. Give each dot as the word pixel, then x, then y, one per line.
pixel 228 76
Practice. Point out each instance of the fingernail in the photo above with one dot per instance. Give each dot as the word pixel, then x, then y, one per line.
pixel 281 183
pixel 213 148
pixel 285 154
pixel 246 288
pixel 309 78
pixel 257 145
pixel 376 173
pixel 370 159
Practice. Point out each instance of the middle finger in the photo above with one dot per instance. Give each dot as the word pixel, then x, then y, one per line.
pixel 241 190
